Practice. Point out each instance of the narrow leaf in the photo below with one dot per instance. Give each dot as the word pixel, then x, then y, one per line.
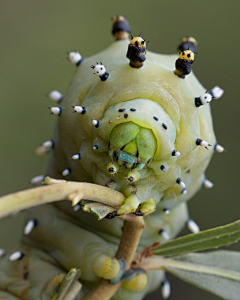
pixel 212 238
pixel 217 272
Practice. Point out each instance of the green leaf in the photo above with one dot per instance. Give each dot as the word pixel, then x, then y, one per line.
pixel 212 238
pixel 217 272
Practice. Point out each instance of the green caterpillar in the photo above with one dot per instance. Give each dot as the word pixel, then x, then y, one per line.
pixel 142 127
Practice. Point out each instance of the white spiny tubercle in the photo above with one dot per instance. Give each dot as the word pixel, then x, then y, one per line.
pixel 16 256
pixel 208 184
pixel 99 69
pixel 166 210
pixel 180 182
pixel 95 123
pixel 216 92
pixel 202 143
pixel 29 226
pixel 164 234
pixel 165 289
pixel 219 148
pixel 55 96
pixel 193 226
pixel 2 252
pixel 37 179
pixel 77 207
pixel 55 110
pixel 75 57
pixel 66 172
pixel 176 153
pixel 206 98
pixel 79 109
pixel 76 156
pixel 48 144
pixel 184 191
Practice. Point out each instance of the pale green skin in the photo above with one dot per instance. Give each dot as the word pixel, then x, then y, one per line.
pixel 72 239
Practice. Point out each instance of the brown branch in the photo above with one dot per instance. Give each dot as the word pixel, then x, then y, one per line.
pixel 132 231
pixel 56 192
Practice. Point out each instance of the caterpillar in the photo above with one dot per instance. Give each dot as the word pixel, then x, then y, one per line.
pixel 133 121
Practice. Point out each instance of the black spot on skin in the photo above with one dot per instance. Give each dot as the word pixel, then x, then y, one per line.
pixel 26 275
pixel 137 43
pixel 130 179
pixel 125 116
pixel 161 231
pixel 149 160
pixel 164 126
pixel 189 55
pixel 132 109
pixel 155 118
pixel 142 42
pixel 109 145
pixel 188 171
pixel 121 109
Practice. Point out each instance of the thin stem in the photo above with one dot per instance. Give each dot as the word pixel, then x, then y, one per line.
pixel 56 192
pixel 132 231
pixel 157 263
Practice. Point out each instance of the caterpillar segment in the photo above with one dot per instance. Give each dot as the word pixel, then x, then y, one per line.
pixel 140 130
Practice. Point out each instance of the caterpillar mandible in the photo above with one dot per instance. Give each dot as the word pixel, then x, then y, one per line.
pixel 140 125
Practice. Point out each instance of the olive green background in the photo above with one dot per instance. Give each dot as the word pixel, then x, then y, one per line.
pixel 35 36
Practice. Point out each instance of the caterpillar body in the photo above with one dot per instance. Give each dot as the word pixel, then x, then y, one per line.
pixel 140 127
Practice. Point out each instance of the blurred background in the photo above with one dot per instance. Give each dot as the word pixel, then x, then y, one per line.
pixel 35 37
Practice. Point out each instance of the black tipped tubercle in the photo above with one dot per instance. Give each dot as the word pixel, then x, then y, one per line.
pixel 184 63
pixel 137 52
pixel 188 43
pixel 120 28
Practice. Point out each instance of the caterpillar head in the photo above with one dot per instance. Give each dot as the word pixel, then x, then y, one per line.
pixel 139 129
